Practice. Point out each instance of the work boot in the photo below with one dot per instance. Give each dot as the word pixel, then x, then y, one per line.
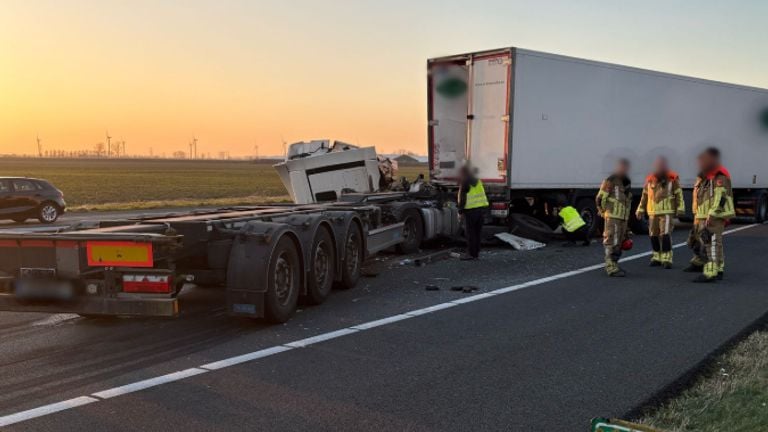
pixel 618 273
pixel 467 257
pixel 720 276
pixel 655 263
pixel 667 266
pixel 703 279
pixel 693 268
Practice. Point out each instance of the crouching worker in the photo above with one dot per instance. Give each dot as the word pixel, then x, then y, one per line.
pixel 662 200
pixel 473 204
pixel 613 203
pixel 575 229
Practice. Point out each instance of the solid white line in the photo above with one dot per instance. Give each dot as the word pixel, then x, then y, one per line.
pixel 152 382
pixel 321 338
pixel 245 358
pixel 45 410
pixel 232 361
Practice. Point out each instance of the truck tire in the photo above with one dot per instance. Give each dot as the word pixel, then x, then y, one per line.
pixel 588 211
pixel 321 268
pixel 353 258
pixel 413 232
pixel 529 227
pixel 283 282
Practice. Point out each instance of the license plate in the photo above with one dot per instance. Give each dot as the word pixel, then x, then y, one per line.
pixel 43 289
pixel 37 273
pixel 119 254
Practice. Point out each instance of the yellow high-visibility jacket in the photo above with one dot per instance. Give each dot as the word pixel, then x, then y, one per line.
pixel 662 196
pixel 614 199
pixel 713 196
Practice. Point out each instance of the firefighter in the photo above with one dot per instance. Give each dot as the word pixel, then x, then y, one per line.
pixel 662 200
pixel 473 204
pixel 712 208
pixel 613 203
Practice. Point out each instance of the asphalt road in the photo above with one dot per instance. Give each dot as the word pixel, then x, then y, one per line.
pixel 548 355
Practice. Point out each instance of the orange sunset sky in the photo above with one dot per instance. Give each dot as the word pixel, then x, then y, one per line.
pixel 243 73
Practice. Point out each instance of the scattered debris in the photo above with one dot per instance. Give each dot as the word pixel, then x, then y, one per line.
pixel 519 243
pixel 465 289
pixel 432 288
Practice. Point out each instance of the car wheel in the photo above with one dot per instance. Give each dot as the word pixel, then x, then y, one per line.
pixel 48 213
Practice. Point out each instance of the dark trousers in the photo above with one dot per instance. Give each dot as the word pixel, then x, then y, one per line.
pixel 473 230
pixel 581 235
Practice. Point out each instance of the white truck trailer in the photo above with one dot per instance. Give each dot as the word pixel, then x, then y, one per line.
pixel 540 127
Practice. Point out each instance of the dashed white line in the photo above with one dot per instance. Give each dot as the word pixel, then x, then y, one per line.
pixel 232 361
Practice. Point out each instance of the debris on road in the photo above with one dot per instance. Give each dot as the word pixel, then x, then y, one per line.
pixel 465 289
pixel 519 243
pixel 432 288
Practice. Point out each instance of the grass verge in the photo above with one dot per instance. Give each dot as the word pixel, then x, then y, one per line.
pixel 732 395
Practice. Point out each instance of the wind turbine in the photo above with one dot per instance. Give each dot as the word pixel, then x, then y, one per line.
pixel 39 146
pixel 109 145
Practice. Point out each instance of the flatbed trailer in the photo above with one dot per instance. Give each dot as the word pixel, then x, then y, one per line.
pixel 267 258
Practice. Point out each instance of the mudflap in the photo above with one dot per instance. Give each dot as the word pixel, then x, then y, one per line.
pixel 247 267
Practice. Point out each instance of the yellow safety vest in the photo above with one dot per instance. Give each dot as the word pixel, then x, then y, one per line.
pixel 476 197
pixel 571 219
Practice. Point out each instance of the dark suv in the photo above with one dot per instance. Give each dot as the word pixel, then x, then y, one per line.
pixel 24 198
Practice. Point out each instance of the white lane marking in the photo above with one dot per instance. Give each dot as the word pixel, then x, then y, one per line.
pixel 152 382
pixel 55 319
pixel 381 322
pixel 45 410
pixel 245 358
pixel 431 309
pixel 232 361
pixel 321 338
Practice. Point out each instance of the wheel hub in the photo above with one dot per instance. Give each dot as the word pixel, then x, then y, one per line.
pixel 321 264
pixel 283 279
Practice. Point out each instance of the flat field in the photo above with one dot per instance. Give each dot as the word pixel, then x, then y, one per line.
pixel 127 184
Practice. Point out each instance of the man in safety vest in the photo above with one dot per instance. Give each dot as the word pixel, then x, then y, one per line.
pixel 574 228
pixel 712 208
pixel 613 203
pixel 662 200
pixel 473 204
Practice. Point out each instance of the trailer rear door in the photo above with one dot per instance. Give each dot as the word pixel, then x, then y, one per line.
pixel 469 115
pixel 489 115
pixel 447 104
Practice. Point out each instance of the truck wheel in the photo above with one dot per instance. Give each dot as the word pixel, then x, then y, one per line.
pixel 48 213
pixel 321 268
pixel 413 232
pixel 588 211
pixel 529 227
pixel 353 258
pixel 283 282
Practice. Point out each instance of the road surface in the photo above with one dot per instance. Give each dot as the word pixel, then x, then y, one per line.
pixel 549 343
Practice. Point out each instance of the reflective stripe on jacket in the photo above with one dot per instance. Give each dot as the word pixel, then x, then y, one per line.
pixel 662 196
pixel 713 196
pixel 571 219
pixel 476 197
pixel 614 199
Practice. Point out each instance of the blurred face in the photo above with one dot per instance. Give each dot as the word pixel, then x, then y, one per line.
pixel 622 168
pixel 660 165
pixel 707 162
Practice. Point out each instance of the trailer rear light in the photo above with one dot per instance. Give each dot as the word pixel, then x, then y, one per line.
pixel 147 284
pixel 499 209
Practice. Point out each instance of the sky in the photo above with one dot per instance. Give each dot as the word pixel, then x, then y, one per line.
pixel 237 73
